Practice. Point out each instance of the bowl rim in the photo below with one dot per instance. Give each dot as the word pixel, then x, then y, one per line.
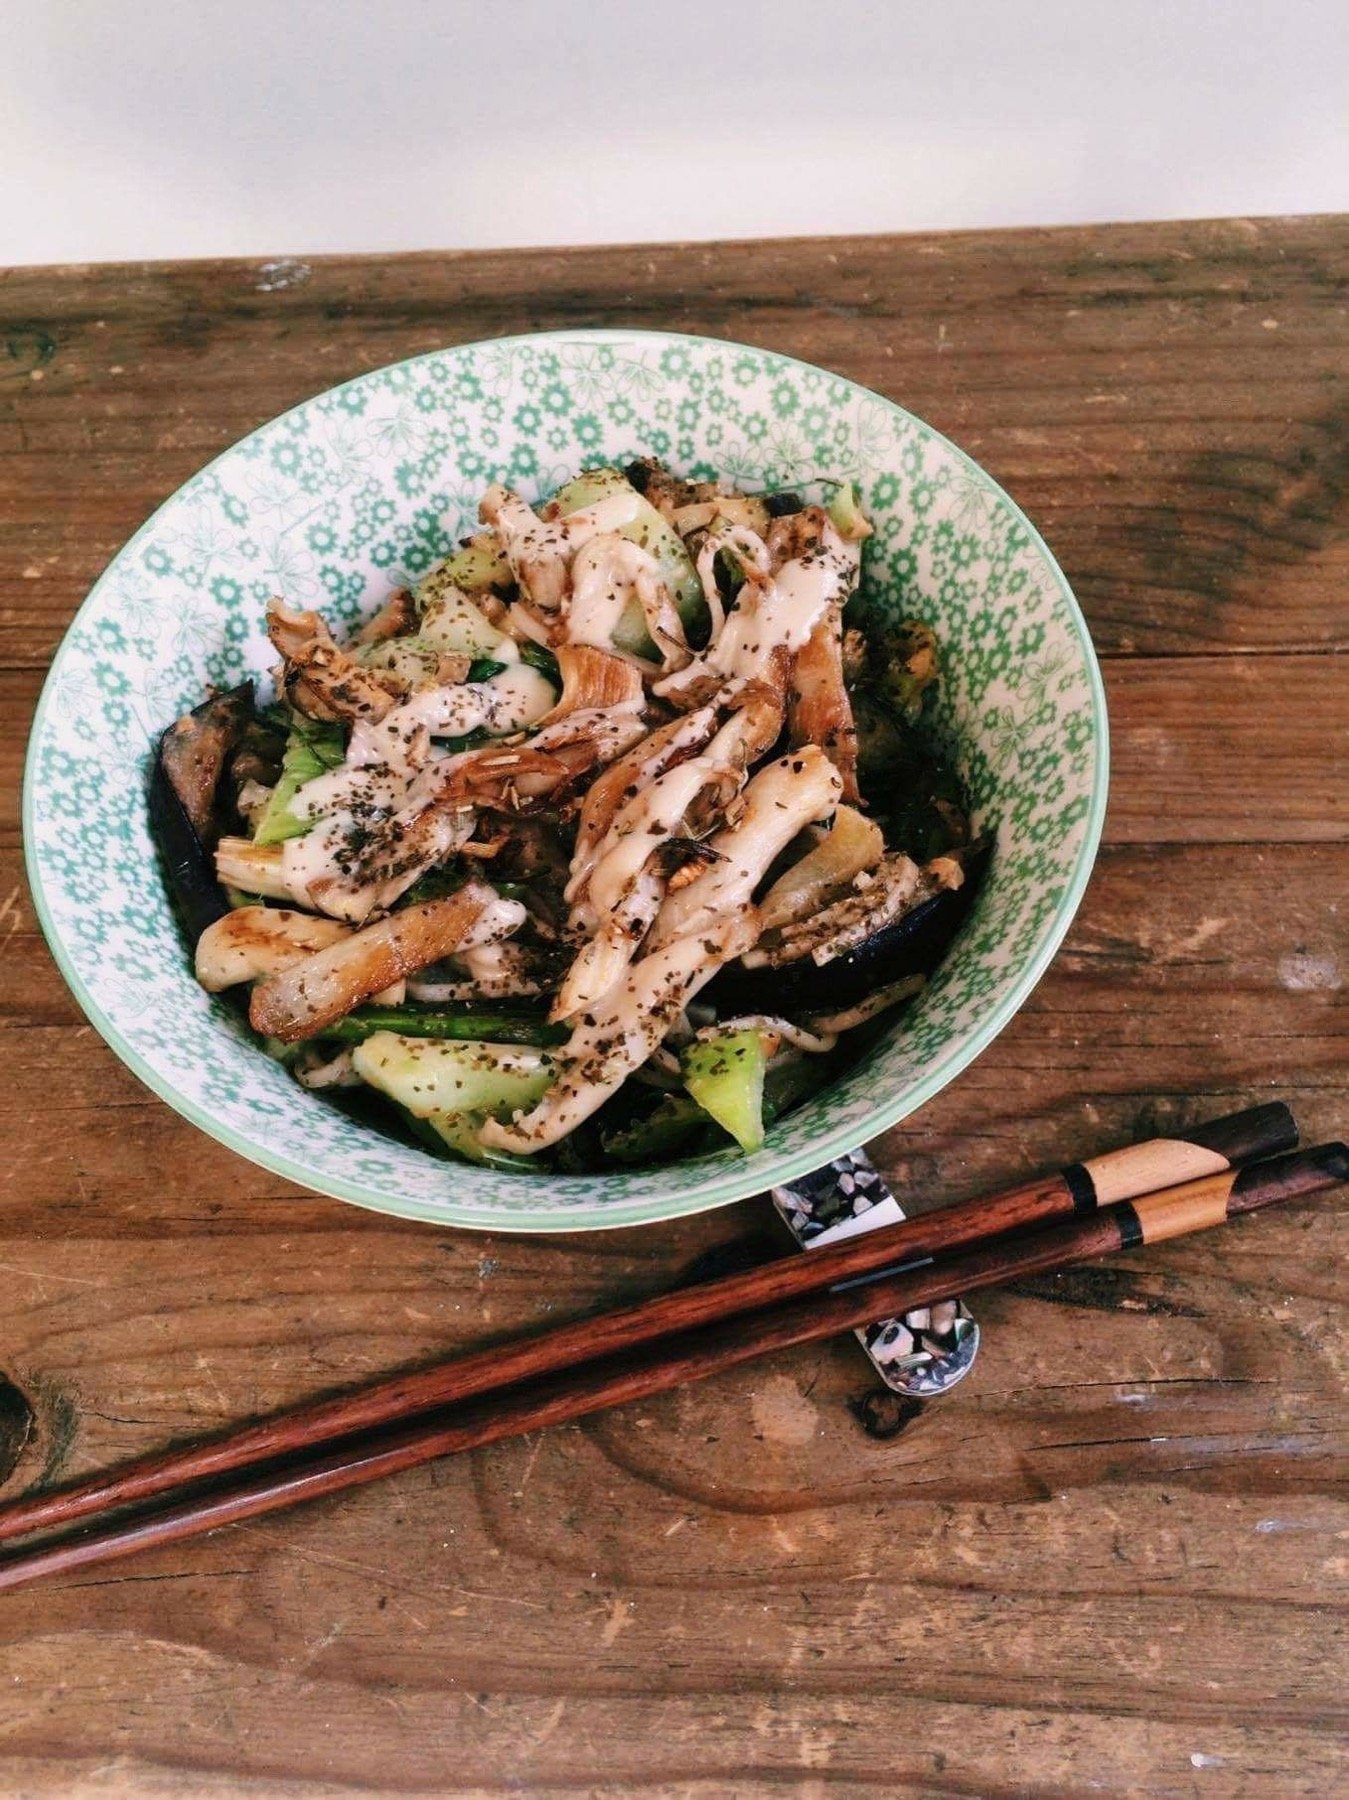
pixel 728 1186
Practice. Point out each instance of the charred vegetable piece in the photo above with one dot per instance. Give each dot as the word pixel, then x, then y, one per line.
pixel 845 509
pixel 788 1081
pixel 902 670
pixel 670 1126
pixel 312 748
pixel 257 757
pixel 911 944
pixel 725 1075
pixel 319 678
pixel 475 568
pixel 193 753
pixel 189 868
pixel 446 1024
pixel 780 504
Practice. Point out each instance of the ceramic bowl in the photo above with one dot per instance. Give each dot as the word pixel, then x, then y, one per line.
pixel 361 490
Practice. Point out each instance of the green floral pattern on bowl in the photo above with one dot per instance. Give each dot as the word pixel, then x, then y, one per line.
pixel 363 489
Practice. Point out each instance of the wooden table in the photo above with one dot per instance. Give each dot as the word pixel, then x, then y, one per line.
pixel 1107 1565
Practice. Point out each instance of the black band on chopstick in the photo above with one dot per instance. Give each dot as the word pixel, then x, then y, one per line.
pixel 1130 1226
pixel 1077 1179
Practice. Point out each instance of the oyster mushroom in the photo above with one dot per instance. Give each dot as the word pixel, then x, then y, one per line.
pixel 253 941
pixel 618 1033
pixel 316 676
pixel 781 800
pixel 779 610
pixel 819 710
pixel 300 1001
pixel 537 550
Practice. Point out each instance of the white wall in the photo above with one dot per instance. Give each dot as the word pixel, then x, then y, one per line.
pixel 146 128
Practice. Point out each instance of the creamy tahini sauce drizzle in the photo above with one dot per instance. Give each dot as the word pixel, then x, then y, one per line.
pixel 671 742
pixel 606 573
pixel 379 790
pixel 782 611
pixel 528 540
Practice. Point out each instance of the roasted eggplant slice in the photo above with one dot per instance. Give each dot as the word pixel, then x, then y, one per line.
pixel 189 868
pixel 912 942
pixel 188 809
pixel 194 751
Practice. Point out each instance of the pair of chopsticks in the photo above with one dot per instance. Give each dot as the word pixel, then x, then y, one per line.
pixel 1140 1195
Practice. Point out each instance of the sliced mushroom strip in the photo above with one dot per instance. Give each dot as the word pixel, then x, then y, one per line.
pixel 619 1033
pixel 755 711
pixel 319 678
pixel 618 891
pixel 601 960
pixel 300 1001
pixel 781 800
pixel 317 1069
pixel 634 770
pixel 256 869
pixel 624 919
pixel 782 610
pixel 396 618
pixel 593 677
pixel 818 708
pixel 538 551
pixel 517 776
pixel 874 1004
pixel 259 940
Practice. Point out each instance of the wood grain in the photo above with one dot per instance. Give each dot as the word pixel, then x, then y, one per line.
pixel 1108 1564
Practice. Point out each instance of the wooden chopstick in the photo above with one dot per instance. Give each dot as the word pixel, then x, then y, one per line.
pixel 1222 1144
pixel 693 1355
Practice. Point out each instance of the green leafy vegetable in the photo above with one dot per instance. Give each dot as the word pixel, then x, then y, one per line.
pixel 845 510
pixel 667 1127
pixel 311 750
pixel 540 657
pixel 454 1087
pixel 725 1075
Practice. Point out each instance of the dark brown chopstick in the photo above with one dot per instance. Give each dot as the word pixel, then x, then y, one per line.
pixel 1141 1168
pixel 693 1355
